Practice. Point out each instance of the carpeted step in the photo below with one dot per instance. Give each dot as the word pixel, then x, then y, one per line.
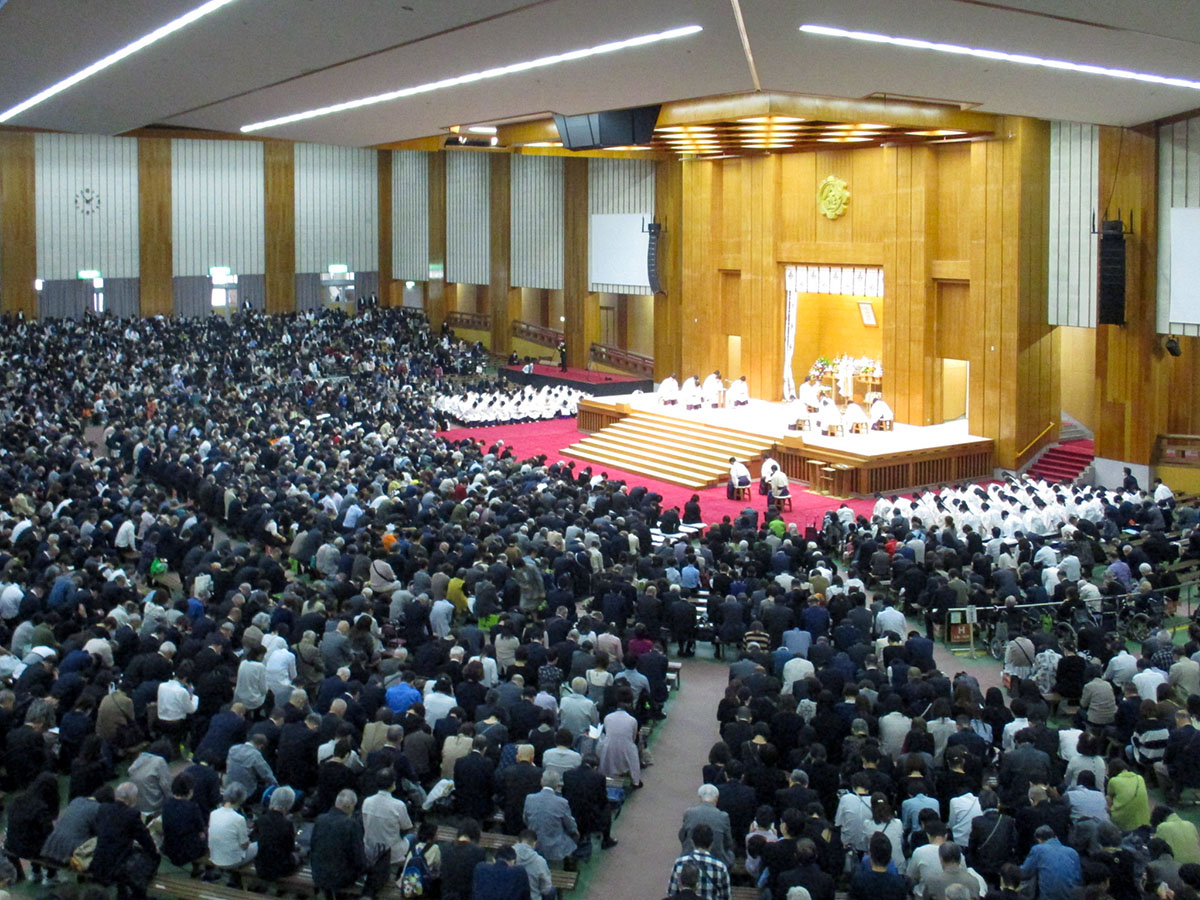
pixel 679 451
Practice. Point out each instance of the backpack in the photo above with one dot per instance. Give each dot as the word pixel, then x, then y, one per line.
pixel 414 874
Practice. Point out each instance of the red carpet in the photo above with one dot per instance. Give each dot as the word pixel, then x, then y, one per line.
pixel 583 376
pixel 536 438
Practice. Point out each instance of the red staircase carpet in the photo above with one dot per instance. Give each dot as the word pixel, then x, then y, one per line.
pixel 536 438
pixel 1064 462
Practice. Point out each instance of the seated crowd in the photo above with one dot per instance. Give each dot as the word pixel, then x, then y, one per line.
pixel 239 566
pixel 848 760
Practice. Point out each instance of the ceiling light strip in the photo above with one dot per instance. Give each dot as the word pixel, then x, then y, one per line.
pixel 128 50
pixel 1001 55
pixel 470 78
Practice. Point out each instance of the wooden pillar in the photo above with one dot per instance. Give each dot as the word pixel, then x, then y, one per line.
pixel 279 188
pixel 156 262
pixel 385 229
pixel 435 286
pixel 504 301
pixel 668 207
pixel 1133 375
pixel 581 307
pixel 1014 395
pixel 912 368
pixel 18 225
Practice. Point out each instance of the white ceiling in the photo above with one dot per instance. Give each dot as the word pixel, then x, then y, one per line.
pixel 259 59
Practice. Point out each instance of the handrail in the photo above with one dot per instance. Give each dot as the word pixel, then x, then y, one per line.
pixel 1041 435
pixel 618 358
pixel 474 320
pixel 537 334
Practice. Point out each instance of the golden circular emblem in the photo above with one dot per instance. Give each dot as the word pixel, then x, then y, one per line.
pixel 832 197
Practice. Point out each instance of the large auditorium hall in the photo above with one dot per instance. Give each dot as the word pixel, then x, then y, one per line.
pixel 549 449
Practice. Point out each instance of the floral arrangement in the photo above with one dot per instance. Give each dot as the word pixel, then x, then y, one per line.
pixel 820 367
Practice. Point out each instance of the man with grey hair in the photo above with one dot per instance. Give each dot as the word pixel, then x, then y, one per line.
pixel 337 856
pixel 576 711
pixel 229 844
pixel 549 816
pixel 706 813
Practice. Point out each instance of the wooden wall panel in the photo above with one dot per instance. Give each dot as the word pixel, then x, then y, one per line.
pixel 437 303
pixel 581 307
pixel 668 303
pixel 701 212
pixel 504 300
pixel 953 201
pixel 18 225
pixel 975 213
pixel 279 196
pixel 157 289
pixel 1133 375
pixel 385 220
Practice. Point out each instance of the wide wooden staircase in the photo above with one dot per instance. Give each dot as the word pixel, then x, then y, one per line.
pixel 670 449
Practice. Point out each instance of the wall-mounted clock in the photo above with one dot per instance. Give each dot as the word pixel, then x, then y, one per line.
pixel 87 201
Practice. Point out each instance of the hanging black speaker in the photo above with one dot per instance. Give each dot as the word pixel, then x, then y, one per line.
pixel 652 279
pixel 1111 288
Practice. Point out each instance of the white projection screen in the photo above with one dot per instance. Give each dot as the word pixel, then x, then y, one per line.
pixel 617 248
pixel 1185 266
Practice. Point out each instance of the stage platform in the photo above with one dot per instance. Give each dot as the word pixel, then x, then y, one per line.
pixel 904 458
pixel 597 383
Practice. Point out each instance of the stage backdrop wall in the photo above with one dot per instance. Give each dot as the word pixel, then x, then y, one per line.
pixel 974 216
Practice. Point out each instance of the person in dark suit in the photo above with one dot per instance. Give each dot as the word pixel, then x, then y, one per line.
pixel 337 856
pixel 297 754
pixel 125 853
pixel 184 825
pixel 225 729
pixel 586 792
pixel 806 873
pixel 277 856
pixel 655 665
pixel 737 799
pixel 993 838
pixel 501 880
pixel 516 783
pixel 475 782
pixel 459 860
pixel 1022 766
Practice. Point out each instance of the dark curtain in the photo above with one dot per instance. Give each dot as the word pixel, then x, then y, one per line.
pixel 193 296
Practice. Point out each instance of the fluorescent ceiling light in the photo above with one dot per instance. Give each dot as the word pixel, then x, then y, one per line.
pixel 128 50
pixel 482 129
pixel 1001 55
pixel 472 77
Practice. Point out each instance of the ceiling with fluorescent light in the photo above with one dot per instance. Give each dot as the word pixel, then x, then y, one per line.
pixel 260 59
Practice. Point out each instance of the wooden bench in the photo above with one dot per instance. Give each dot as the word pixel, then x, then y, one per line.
pixel 674 671
pixel 178 885
pixel 744 892
pixel 494 840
